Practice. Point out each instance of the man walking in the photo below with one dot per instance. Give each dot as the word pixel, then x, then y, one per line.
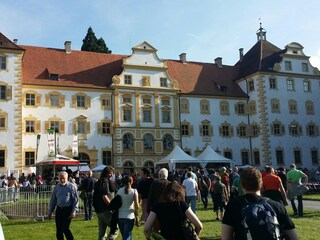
pixel 87 185
pixel 191 191
pixel 270 216
pixel 296 188
pixel 65 199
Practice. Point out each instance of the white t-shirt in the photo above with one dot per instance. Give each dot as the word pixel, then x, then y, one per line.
pixel 127 208
pixel 191 186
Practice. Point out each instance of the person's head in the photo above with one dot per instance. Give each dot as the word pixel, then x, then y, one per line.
pixel 235 169
pixel 174 191
pixel 163 173
pixel 146 172
pixel 90 173
pixel 63 178
pixel 292 166
pixel 269 169
pixel 218 178
pixel 251 179
pixel 107 172
pixel 189 174
pixel 127 182
pixel 281 169
pixel 202 171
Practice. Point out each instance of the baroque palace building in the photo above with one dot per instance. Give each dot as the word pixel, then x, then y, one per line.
pixel 131 110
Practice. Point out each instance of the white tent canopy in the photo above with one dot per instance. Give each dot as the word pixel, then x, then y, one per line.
pixel 98 168
pixel 177 156
pixel 211 156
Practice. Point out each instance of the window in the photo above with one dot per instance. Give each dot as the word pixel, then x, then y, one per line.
pixel 163 82
pixel 312 130
pixel 275 105
pixel 126 100
pixel 54 125
pixel 314 156
pixel 81 127
pixel 287 65
pixel 242 130
pixel 256 157
pixel 224 108
pixel 277 128
pixel 127 115
pixel 309 108
pixel 184 105
pixel 81 100
pixel 105 102
pixel 3 92
pixel 128 79
pixel 146 115
pixel 54 77
pixel 225 130
pixel 245 157
pixel 204 107
pixel 297 156
pixel 30 99
pixel 205 130
pixel 228 154
pixel 251 85
pixel 148 141
pixel 2 158
pixel 295 129
pixel 3 121
pixel 127 141
pixel 166 116
pixel 165 102
pixel 167 142
pixel 30 126
pixel 106 157
pixel 290 85
pixel 305 67
pixel 254 130
pixel 293 109
pixel 185 129
pixel 272 83
pixel 29 158
pixel 306 86
pixel 146 100
pixel 106 128
pixel 279 156
pixel 239 108
pixel 54 100
pixel 3 63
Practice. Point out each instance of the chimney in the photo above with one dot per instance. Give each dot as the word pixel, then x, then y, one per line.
pixel 67 47
pixel 218 61
pixel 240 54
pixel 15 41
pixel 183 57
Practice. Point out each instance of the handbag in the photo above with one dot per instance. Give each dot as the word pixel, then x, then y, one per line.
pixel 187 228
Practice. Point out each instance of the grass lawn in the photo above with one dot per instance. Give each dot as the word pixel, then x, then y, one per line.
pixel 314 197
pixel 307 227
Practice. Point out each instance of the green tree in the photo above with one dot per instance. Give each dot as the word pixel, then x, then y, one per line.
pixel 92 44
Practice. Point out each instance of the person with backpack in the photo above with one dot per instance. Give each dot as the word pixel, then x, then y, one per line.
pixel 204 184
pixel 254 217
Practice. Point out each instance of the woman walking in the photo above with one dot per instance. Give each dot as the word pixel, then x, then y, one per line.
pixel 128 212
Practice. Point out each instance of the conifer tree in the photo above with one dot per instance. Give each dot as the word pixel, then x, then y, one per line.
pixel 92 44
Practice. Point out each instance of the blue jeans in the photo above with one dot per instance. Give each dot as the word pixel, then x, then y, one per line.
pixel 192 200
pixel 126 226
pixel 300 206
pixel 104 220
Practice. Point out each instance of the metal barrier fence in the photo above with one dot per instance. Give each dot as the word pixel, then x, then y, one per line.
pixel 27 202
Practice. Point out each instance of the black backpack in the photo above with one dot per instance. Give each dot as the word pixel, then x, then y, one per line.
pixel 259 221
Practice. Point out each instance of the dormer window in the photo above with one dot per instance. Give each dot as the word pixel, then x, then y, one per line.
pixel 54 76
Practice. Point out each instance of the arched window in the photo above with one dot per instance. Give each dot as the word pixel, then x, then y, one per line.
pixel 148 141
pixel 149 164
pixel 167 142
pixel 127 141
pixel 83 158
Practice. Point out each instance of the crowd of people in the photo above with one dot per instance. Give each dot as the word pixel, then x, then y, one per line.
pixel 167 199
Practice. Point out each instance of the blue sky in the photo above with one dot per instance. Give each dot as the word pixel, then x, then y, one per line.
pixel 203 29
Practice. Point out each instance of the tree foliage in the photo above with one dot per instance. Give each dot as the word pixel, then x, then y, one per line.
pixel 92 44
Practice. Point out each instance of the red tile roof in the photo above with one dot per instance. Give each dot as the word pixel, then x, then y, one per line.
pixel 77 69
pixel 7 44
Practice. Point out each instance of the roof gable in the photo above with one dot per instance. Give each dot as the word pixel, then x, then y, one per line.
pixel 5 43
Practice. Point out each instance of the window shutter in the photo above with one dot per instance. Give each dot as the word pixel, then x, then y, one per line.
pixel 190 130
pixel 211 130
pixel 46 125
pixel 247 109
pixel 88 102
pixel 220 131
pixel 74 101
pixel 231 131
pixel 61 127
pixel 316 130
pixel 61 101
pixel 111 128
pixel 47 100
pixel 236 108
pixel 9 92
pixel 300 130
pixel 38 100
pixel 283 130
pixel 99 125
pixel 248 131
pixel 38 126
pixel 74 127
pixel 238 131
pixel 87 127
pixel 200 130
pixel 24 99
pixel 24 126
